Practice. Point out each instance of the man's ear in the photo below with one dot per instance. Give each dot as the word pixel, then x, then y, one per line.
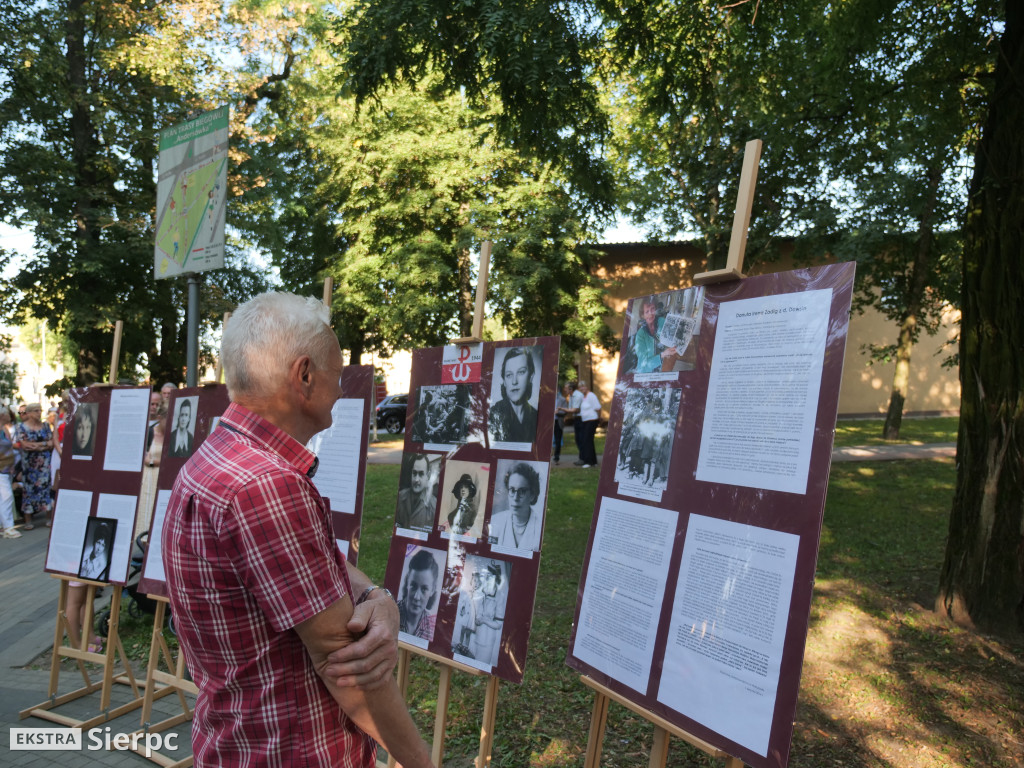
pixel 300 374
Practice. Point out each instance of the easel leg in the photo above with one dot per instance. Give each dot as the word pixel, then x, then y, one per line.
pixel 487 730
pixel 154 658
pixel 598 721
pixel 659 749
pixel 444 687
pixel 58 636
pixel 404 661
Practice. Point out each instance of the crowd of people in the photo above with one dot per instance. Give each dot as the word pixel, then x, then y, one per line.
pixel 30 458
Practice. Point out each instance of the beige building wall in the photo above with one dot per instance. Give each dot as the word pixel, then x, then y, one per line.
pixel 632 270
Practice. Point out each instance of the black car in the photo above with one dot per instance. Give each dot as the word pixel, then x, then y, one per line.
pixel 391 413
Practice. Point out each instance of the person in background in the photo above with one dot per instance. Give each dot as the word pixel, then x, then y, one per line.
pixel 35 441
pixel 561 404
pixel 573 411
pixel 151 470
pixel 7 459
pixel 590 414
pixel 53 418
pixel 165 392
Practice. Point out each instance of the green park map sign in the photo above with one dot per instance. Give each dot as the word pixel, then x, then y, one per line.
pixel 191 195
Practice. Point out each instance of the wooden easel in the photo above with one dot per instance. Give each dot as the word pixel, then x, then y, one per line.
pixel 82 654
pixel 174 680
pixel 446 666
pixel 481 297
pixel 663 729
pixel 741 220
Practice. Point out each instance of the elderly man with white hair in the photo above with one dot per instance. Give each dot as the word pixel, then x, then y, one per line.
pixel 291 647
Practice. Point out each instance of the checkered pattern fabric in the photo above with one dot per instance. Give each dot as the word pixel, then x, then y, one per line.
pixel 249 553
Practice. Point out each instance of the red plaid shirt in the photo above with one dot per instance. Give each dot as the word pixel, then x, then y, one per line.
pixel 249 553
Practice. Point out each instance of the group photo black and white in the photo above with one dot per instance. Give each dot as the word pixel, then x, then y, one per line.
pixel 648 431
pixel 442 414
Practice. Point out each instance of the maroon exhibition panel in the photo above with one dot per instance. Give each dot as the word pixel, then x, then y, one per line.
pixel 697 583
pixel 194 413
pixel 469 518
pixel 101 471
pixel 341 452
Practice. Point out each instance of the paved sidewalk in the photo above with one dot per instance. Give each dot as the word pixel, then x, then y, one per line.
pixel 26 631
pixel 29 612
pixel 894 452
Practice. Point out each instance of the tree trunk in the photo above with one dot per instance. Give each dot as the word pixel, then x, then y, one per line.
pixel 982 580
pixel 909 332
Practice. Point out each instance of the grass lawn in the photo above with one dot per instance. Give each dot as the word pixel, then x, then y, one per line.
pixel 885 683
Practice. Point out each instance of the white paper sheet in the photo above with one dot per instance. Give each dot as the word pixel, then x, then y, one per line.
pixel 121 508
pixel 126 430
pixel 728 623
pixel 155 554
pixel 623 590
pixel 763 391
pixel 68 532
pixel 342 547
pixel 339 449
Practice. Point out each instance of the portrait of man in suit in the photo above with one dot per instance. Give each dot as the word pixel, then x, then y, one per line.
pixel 181 438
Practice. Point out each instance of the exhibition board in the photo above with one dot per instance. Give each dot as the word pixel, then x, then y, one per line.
pixel 94 513
pixel 341 456
pixel 340 449
pixel 697 580
pixel 469 518
pixel 192 415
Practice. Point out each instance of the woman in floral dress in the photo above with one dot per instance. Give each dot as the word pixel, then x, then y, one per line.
pixel 35 441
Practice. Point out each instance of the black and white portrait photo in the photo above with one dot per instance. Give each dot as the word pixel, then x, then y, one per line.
pixel 417 492
pixel 645 447
pixel 463 498
pixel 480 615
pixel 517 517
pixel 83 435
pixel 183 428
pixel 442 415
pixel 515 392
pixel 97 549
pixel 419 594
pixel 660 332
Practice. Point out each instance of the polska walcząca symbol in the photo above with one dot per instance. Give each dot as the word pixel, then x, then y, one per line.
pixel 462 363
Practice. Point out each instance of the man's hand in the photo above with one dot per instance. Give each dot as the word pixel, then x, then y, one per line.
pixel 368 662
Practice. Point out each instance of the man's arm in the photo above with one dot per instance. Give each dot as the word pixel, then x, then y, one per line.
pixel 367 660
pixel 379 711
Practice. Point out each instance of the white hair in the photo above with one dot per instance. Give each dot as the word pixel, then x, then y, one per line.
pixel 265 335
